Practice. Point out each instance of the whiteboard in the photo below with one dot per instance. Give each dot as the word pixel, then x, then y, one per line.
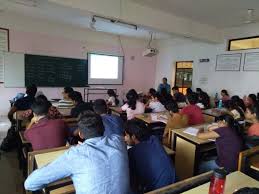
pixel 251 62
pixel 228 62
pixel 14 74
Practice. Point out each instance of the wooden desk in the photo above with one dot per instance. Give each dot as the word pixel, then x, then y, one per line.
pixel 188 151
pixel 147 117
pixel 213 112
pixel 116 110
pixel 234 181
pixel 254 163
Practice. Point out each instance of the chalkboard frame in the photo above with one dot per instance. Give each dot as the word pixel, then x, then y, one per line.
pixel 85 84
pixel 244 65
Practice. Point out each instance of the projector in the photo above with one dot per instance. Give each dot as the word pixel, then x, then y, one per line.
pixel 150 52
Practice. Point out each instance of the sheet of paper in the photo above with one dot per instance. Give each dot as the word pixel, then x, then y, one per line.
pixel 159 118
pixel 191 131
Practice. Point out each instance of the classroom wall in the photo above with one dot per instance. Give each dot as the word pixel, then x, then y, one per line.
pixel 173 50
pixel 46 38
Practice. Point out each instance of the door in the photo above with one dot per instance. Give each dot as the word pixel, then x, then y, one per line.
pixel 183 75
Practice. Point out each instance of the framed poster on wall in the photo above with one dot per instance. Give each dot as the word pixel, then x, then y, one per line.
pixel 228 62
pixel 251 62
pixel 4 39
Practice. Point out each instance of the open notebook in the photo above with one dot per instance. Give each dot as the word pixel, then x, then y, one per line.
pixel 191 131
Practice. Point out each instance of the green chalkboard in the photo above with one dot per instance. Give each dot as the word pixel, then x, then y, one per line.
pixel 49 71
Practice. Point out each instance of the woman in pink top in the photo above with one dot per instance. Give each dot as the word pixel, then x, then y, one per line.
pixel 252 114
pixel 225 96
pixel 133 106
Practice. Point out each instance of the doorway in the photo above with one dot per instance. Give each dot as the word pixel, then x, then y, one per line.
pixel 183 75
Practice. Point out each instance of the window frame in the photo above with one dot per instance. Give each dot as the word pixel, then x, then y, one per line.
pixel 237 39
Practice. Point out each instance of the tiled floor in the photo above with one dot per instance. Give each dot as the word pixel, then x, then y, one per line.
pixel 11 179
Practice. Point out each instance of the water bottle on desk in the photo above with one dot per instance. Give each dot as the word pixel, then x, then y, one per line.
pixel 218 180
pixel 220 104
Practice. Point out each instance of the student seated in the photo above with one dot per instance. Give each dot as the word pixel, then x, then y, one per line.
pixel 193 112
pixel 239 102
pixel 150 166
pixel 164 85
pixel 80 105
pixel 98 165
pixel 66 91
pixel 53 112
pixel 251 100
pixel 235 111
pixel 133 105
pixel 252 114
pixel 188 91
pixel 113 124
pixel 224 96
pixel 178 96
pixel 42 132
pixel 23 103
pixel 176 120
pixel 112 100
pixel 155 105
pixel 165 98
pixel 228 144
pixel 203 98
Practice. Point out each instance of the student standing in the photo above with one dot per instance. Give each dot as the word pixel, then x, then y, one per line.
pixel 224 96
pixel 113 124
pixel 150 166
pixel 228 144
pixel 42 132
pixel 165 85
pixel 133 106
pixel 98 165
pixel 193 112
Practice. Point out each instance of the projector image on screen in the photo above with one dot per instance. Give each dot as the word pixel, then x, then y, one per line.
pixel 104 69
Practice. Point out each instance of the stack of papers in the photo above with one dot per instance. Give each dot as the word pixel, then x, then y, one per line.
pixel 159 118
pixel 191 131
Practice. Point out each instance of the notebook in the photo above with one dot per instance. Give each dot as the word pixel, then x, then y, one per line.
pixel 191 131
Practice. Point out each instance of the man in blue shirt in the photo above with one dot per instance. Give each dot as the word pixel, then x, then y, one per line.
pixel 113 124
pixel 165 85
pixel 150 166
pixel 98 165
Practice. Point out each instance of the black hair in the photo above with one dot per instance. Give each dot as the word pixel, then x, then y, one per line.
pixel 239 102
pixel 225 92
pixel 68 89
pixel 165 79
pixel 76 96
pixel 198 90
pixel 138 128
pixel 253 98
pixel 247 190
pixel 90 125
pixel 100 106
pixel 257 96
pixel 43 98
pixel 231 105
pixel 254 110
pixel 192 98
pixel 188 91
pixel 111 92
pixel 172 106
pixel 132 98
pixel 40 107
pixel 175 88
pixel 152 91
pixel 155 95
pixel 31 90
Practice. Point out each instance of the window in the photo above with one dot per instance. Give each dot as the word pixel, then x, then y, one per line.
pixel 243 43
pixel 183 75
pixel 105 69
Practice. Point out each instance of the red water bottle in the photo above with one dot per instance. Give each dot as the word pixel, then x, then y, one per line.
pixel 217 182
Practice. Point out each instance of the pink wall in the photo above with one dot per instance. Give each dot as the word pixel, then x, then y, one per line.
pixel 139 73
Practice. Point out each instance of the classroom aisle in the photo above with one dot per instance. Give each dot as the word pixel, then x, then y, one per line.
pixel 11 179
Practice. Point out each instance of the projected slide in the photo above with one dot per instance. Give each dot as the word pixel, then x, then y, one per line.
pixel 105 69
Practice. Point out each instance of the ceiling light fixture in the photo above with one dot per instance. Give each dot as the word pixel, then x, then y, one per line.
pixel 99 19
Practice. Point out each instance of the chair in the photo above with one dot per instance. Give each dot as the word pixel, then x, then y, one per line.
pixel 244 161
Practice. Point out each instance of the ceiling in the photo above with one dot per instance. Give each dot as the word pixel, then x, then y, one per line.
pixel 218 13
pixel 57 13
